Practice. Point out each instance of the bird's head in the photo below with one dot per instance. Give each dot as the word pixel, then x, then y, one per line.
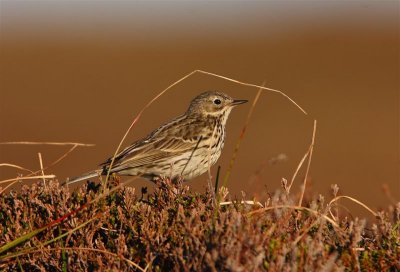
pixel 213 103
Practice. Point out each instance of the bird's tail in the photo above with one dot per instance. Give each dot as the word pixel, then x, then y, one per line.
pixel 86 176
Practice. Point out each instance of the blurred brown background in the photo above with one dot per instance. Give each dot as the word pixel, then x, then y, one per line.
pixel 80 71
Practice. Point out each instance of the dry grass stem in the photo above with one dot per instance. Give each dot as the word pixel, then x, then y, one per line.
pixel 388 194
pixel 309 163
pixel 15 180
pixel 297 170
pixel 248 202
pixel 298 208
pixel 89 249
pixel 28 178
pixel 352 199
pixel 41 167
pixel 15 166
pixel 8 186
pixel 45 143
pixel 209 161
pixel 61 157
pixel 74 146
pixel 241 136
pixel 305 232
pixel 251 85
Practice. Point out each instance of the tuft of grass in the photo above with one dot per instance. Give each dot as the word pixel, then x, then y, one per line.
pixel 174 229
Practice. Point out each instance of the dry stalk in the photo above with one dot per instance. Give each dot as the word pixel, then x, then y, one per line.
pixel 41 168
pixel 308 164
pixel 297 170
pixel 352 199
pixel 91 249
pixel 248 202
pixel 15 166
pixel 45 143
pixel 241 136
pixel 27 178
pixel 298 208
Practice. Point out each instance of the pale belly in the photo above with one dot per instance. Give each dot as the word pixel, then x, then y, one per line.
pixel 187 168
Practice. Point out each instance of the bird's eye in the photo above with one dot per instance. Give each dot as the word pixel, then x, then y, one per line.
pixel 217 101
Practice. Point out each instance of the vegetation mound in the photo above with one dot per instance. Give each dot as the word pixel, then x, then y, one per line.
pixel 174 229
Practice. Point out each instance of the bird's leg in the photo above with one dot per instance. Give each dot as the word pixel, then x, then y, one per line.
pixel 143 191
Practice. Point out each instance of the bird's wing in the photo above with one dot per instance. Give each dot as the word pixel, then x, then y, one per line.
pixel 162 143
pixel 143 144
pixel 152 151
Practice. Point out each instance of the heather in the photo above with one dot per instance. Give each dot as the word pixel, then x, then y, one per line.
pixel 176 229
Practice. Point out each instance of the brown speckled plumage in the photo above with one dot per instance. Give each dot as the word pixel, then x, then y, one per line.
pixel 184 147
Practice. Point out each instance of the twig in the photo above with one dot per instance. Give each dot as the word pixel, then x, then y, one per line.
pixel 309 163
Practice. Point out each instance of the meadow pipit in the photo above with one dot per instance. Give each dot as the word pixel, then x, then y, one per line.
pixel 182 148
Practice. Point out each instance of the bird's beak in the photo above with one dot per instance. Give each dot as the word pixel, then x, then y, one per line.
pixel 238 102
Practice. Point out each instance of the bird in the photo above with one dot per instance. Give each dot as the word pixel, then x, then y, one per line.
pixel 184 147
